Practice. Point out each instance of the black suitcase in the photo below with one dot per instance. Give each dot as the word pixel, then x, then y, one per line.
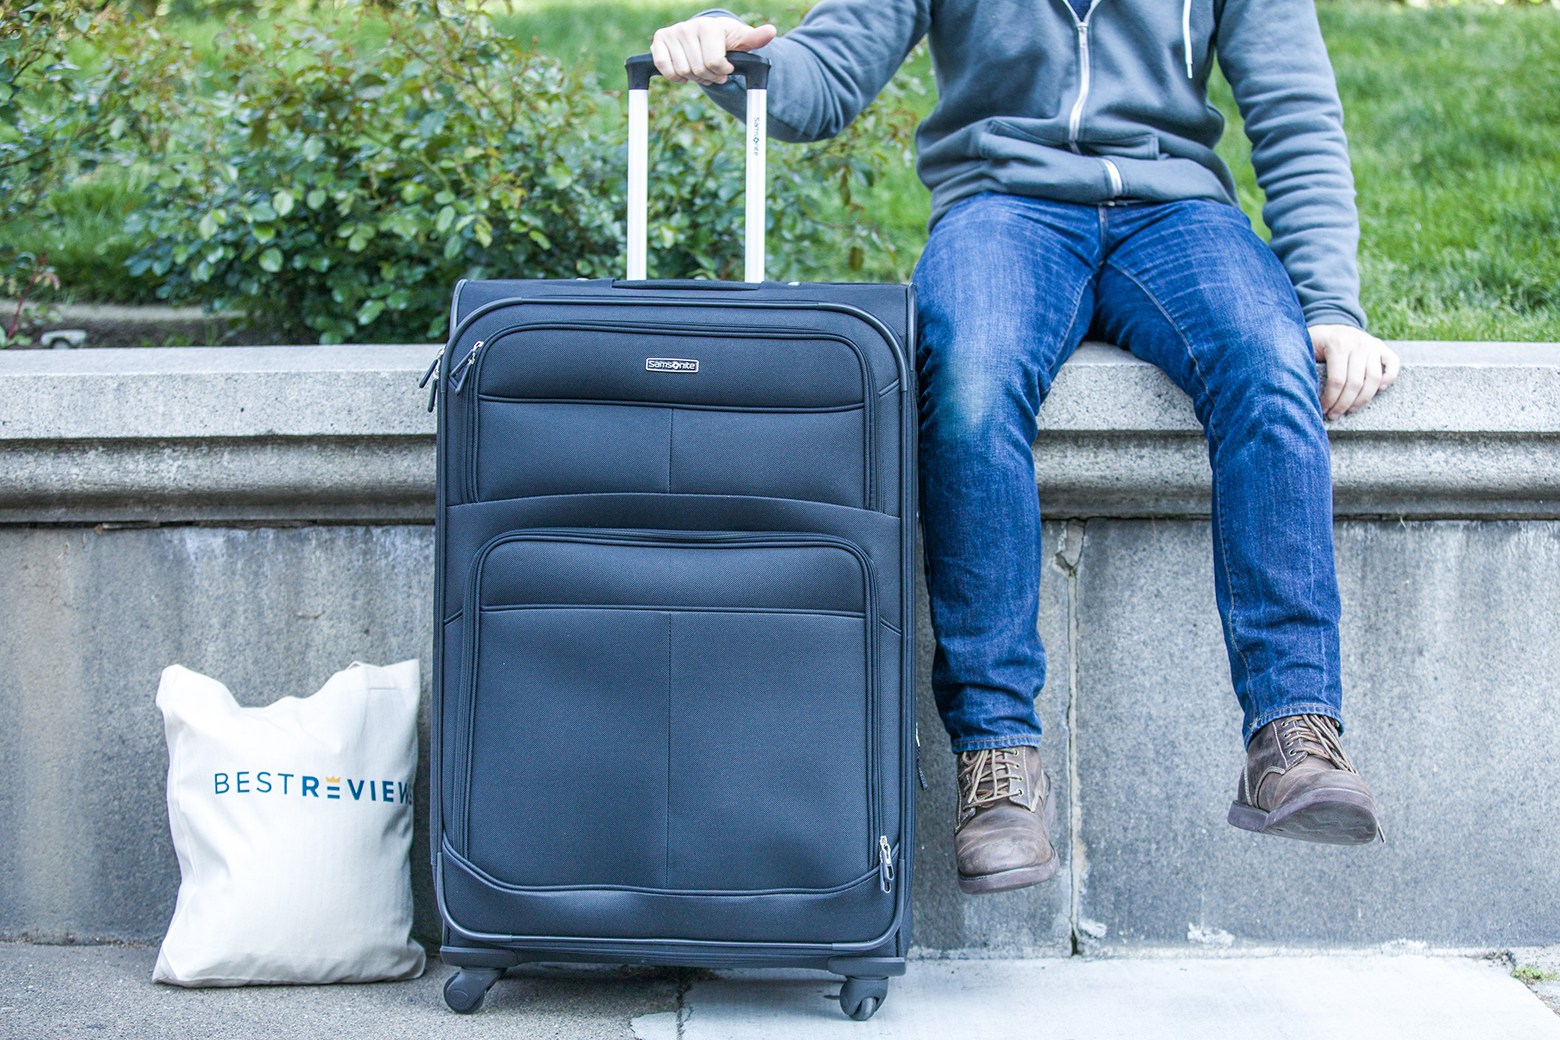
pixel 673 717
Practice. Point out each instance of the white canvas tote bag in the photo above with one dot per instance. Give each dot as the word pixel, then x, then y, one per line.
pixel 292 825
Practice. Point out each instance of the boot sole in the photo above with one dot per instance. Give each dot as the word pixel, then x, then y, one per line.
pixel 1327 817
pixel 1007 880
pixel 1019 877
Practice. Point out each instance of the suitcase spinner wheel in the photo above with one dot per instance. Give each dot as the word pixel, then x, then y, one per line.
pixel 465 990
pixel 860 998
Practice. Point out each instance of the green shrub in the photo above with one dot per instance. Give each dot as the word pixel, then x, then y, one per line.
pixel 40 125
pixel 36 87
pixel 336 190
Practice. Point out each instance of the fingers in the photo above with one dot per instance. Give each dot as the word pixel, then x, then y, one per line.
pixel 1370 371
pixel 696 49
pixel 712 47
pixel 751 38
pixel 671 59
pixel 1390 366
pixel 1359 366
pixel 1332 355
pixel 1353 363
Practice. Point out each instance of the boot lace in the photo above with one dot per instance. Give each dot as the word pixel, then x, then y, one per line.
pixel 1315 735
pixel 989 776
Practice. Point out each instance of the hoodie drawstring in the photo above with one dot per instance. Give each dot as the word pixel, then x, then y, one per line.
pixel 1186 34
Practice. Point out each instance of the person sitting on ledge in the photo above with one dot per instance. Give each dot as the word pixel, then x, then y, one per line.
pixel 1075 191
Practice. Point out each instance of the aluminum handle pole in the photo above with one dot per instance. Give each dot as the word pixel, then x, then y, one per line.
pixel 757 140
pixel 638 180
pixel 757 143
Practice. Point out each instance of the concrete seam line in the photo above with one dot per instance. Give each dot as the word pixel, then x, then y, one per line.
pixel 1078 854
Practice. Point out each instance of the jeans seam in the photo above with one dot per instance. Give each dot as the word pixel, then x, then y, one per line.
pixel 1224 545
pixel 986 743
pixel 1302 708
pixel 1072 323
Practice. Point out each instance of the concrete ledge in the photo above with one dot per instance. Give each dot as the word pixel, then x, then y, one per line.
pixel 339 433
pixel 1469 430
pixel 216 433
pixel 260 515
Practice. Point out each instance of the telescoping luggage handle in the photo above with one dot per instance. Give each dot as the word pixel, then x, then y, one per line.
pixel 755 69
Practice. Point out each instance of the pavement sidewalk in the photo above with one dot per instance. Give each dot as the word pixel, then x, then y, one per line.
pixel 105 991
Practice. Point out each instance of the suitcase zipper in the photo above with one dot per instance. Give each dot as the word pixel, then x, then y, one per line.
pixel 432 376
pixel 920 777
pixel 463 368
pixel 672 539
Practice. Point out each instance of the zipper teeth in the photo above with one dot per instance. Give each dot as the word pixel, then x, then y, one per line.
pixel 1115 176
pixel 1076 118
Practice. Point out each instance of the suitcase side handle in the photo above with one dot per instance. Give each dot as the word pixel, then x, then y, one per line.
pixel 755 69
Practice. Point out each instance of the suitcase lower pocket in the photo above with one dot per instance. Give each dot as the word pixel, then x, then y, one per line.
pixel 669 712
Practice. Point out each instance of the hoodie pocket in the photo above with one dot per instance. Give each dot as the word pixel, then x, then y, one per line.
pixel 1016 139
pixel 1012 139
pixel 1143 145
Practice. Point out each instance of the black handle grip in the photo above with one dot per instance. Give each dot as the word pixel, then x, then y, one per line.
pixel 754 68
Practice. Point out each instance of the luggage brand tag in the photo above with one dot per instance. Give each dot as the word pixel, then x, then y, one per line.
pixel 671 364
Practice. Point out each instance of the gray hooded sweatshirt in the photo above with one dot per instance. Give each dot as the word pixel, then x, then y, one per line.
pixel 1034 100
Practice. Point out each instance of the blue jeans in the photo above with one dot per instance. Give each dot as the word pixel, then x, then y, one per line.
pixel 1008 287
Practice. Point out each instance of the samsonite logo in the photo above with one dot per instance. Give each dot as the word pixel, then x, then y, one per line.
pixel 305 785
pixel 671 364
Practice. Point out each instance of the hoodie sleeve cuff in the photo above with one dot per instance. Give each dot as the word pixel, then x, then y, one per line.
pixel 1331 315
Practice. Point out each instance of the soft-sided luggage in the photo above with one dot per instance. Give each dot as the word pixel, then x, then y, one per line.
pixel 674 675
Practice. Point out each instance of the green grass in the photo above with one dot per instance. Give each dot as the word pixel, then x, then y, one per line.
pixel 1450 112
pixel 84 236
pixel 1452 120
pixel 600 33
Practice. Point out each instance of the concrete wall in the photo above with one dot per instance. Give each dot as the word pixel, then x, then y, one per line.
pixel 261 515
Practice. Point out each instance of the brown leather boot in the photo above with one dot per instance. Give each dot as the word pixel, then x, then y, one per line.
pixel 1298 783
pixel 1001 837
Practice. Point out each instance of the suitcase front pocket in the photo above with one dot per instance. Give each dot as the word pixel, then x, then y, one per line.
pixel 669 711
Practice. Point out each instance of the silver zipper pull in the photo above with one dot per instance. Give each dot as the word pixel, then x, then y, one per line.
pixel 919 776
pixel 463 369
pixel 885 864
pixel 432 376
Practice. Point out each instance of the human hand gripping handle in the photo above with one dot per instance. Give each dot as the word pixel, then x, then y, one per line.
pixel 697 49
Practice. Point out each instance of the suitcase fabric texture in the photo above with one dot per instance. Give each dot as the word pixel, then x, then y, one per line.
pixel 674 666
